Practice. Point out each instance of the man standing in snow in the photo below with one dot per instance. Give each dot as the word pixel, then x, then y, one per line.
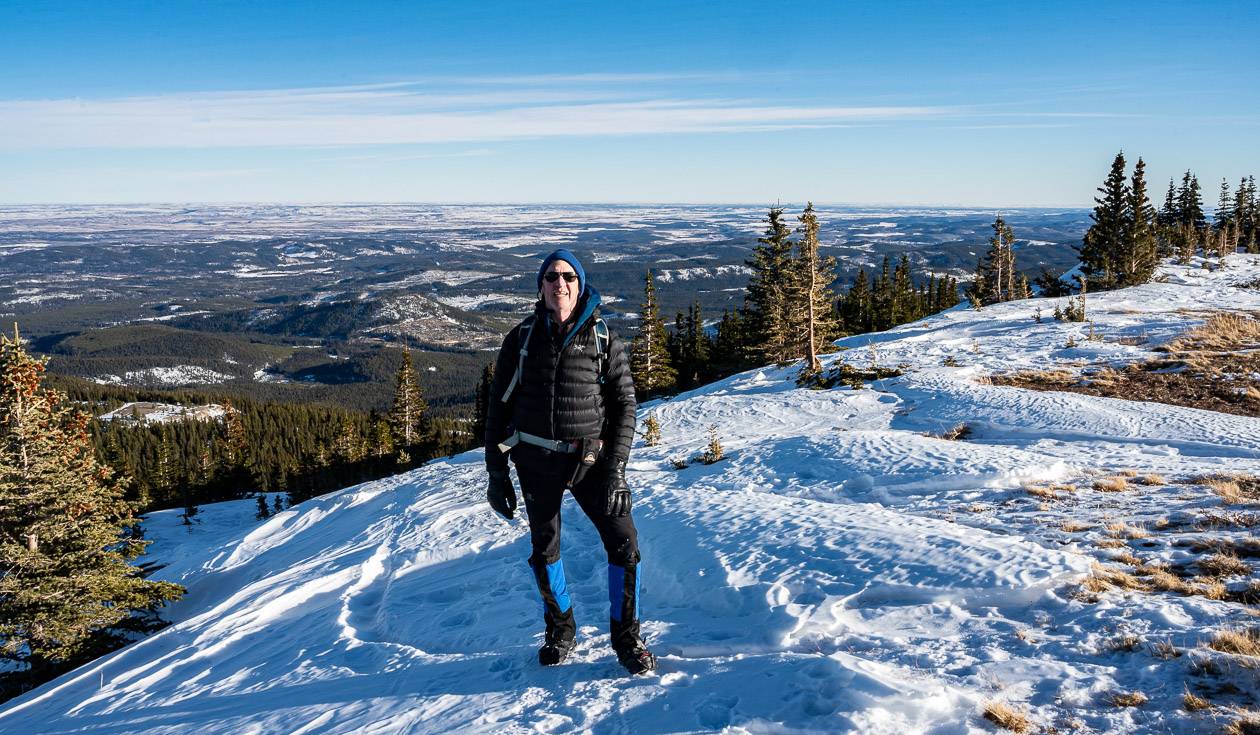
pixel 562 405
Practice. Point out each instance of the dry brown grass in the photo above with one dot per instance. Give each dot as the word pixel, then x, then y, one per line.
pixel 1232 489
pixel 1075 526
pixel 1210 589
pixel 1151 479
pixel 1247 547
pixel 1164 650
pixel 1113 484
pixel 1123 530
pixel 1193 703
pixel 1236 519
pixel 1127 557
pixel 957 432
pixel 1126 643
pixel 1007 717
pixel 1209 368
pixel 1223 565
pixel 1165 581
pixel 1111 543
pixel 1247 724
pixel 1041 491
pixel 1103 578
pixel 1128 699
pixel 1245 642
pixel 1221 332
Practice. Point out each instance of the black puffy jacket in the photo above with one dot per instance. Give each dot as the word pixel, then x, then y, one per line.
pixel 560 394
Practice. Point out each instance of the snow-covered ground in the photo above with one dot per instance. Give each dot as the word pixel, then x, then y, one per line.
pixel 842 569
pixel 163 413
pixel 166 377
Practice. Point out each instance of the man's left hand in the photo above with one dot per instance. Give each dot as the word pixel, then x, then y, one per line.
pixel 618 491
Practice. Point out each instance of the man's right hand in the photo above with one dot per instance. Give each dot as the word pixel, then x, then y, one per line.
pixel 501 494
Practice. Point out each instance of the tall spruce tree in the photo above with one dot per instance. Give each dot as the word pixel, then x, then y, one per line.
pixel 1105 239
pixel 769 330
pixel 1246 214
pixel 1139 255
pixel 882 299
pixel 408 418
pixel 1224 213
pixel 649 357
pixel 67 590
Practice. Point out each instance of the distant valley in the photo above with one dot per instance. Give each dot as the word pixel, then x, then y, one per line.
pixel 292 302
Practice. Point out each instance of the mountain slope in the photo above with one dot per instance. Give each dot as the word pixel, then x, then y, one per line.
pixel 842 569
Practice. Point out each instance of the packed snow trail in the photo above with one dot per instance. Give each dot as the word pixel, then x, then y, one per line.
pixel 841 569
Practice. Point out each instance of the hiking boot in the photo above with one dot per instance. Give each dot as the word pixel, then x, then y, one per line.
pixel 555 652
pixel 636 658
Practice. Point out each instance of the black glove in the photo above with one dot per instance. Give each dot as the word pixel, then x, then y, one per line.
pixel 618 492
pixel 501 494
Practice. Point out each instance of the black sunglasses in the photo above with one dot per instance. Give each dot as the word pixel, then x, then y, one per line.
pixel 553 276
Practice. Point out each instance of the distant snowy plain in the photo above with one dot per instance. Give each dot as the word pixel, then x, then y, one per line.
pixel 841 570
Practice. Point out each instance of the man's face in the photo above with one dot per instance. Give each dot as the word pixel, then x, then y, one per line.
pixel 560 295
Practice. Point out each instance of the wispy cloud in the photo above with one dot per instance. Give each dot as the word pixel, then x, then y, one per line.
pixel 454 110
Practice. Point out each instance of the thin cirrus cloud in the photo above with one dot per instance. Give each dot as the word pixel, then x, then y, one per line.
pixel 387 114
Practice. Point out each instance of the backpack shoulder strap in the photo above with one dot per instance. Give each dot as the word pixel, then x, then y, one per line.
pixel 601 346
pixel 527 326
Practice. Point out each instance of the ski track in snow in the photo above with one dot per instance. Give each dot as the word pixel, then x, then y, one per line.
pixel 825 576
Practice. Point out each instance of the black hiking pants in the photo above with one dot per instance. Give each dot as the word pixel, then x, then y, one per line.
pixel 544 494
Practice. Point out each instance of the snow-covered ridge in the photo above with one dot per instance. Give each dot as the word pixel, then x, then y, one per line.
pixel 842 569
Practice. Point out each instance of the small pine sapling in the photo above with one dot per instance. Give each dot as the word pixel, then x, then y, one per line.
pixel 277 504
pixel 713 452
pixel 263 510
pixel 651 431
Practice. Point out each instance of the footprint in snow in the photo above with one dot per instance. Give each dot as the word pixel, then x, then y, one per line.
pixel 716 712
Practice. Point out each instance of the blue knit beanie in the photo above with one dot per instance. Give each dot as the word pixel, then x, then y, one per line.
pixel 569 258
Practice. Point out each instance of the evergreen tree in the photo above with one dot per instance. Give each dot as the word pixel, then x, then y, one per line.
pixel 482 403
pixel 811 294
pixel 233 448
pixel 728 354
pixel 692 347
pixel 1105 239
pixel 1168 216
pixel 882 300
pixel 649 358
pixel 902 292
pixel 263 511
pixel 768 323
pixel 857 307
pixel 67 591
pixel 996 279
pixel 1246 214
pixel 1139 255
pixel 407 418
pixel 1190 203
pixel 1224 213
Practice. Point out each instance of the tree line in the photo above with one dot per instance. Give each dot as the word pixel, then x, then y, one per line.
pixel 301 450
pixel 1128 236
pixel 791 310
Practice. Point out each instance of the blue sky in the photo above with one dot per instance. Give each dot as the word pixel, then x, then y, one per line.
pixel 987 104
